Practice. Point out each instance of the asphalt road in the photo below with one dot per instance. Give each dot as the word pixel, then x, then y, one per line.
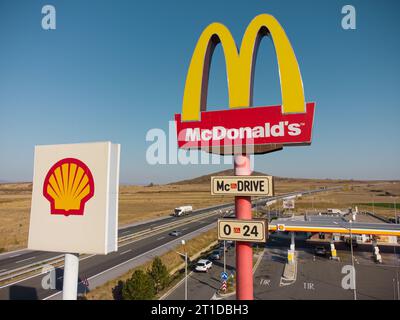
pixel 321 278
pixel 18 259
pixel 203 285
pixel 31 288
pixel 317 277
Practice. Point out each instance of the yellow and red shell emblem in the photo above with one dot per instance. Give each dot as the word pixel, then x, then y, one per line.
pixel 68 186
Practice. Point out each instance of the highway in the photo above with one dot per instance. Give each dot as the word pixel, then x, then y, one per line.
pixel 12 260
pixel 31 288
pixel 334 226
pixel 114 264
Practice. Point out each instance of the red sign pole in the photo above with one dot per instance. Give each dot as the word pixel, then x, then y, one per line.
pixel 244 251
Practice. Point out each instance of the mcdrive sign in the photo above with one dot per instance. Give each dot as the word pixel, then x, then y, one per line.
pixel 274 126
pixel 242 185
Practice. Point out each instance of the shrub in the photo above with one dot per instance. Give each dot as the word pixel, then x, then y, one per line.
pixel 159 274
pixel 139 287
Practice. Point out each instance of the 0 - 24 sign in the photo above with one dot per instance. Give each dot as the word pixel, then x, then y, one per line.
pixel 242 230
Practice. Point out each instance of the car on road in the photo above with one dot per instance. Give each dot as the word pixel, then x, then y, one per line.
pixel 215 255
pixel 221 247
pixel 320 251
pixel 175 233
pixel 350 242
pixel 203 265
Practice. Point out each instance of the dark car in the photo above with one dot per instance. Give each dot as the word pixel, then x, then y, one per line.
pixel 215 255
pixel 320 251
pixel 349 242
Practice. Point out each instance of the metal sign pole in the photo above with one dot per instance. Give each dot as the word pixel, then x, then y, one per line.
pixel 244 251
pixel 70 282
pixel 224 256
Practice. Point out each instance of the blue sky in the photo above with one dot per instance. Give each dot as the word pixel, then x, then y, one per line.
pixel 112 70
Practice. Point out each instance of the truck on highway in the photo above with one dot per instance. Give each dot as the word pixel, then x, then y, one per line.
pixel 334 211
pixel 183 210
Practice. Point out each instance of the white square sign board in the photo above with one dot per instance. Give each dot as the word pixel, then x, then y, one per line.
pixel 75 198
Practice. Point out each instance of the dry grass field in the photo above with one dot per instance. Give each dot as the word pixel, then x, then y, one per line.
pixel 367 197
pixel 139 203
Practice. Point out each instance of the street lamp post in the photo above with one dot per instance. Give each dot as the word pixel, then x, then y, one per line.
pixel 186 271
pixel 186 267
pixel 373 204
pixel 394 249
pixel 352 261
pixel 352 256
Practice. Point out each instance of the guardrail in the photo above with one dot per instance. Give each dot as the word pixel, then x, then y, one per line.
pixel 377 217
pixel 162 228
pixel 8 275
pixel 34 267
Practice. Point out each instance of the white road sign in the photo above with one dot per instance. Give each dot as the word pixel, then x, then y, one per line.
pixel 254 230
pixel 242 185
pixel 75 198
pixel 288 203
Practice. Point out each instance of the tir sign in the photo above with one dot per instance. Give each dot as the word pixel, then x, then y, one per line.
pixel 242 186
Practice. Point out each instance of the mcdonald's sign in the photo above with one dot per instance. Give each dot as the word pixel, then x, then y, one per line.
pixel 265 129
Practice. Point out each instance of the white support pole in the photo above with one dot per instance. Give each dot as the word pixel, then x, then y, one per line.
pixel 70 282
pixel 292 243
pixel 352 261
pixel 186 275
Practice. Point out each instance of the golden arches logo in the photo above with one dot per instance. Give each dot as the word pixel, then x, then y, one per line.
pixel 240 67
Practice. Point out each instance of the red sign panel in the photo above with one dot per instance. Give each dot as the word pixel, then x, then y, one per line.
pixel 247 126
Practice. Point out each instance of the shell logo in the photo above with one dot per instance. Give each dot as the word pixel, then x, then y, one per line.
pixel 281 227
pixel 68 186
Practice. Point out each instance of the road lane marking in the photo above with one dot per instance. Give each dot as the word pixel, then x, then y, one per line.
pixel 202 222
pixel 125 252
pixel 10 252
pixel 161 238
pixel 174 288
pixel 25 259
pixel 15 255
pixel 184 229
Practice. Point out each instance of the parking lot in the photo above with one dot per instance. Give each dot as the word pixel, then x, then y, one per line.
pixel 203 285
pixel 317 277
pixel 321 278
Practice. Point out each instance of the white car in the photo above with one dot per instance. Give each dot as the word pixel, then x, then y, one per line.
pixel 203 265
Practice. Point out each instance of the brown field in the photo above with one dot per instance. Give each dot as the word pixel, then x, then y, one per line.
pixel 141 203
pixel 379 192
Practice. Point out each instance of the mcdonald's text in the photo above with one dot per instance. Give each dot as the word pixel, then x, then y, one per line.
pixel 247 126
